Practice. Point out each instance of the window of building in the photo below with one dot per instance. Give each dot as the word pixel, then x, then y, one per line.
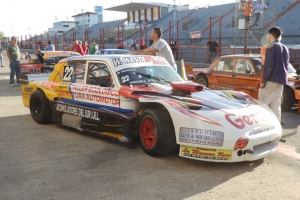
pixel 65 25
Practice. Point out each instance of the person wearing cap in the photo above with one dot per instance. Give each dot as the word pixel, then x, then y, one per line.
pixel 14 55
pixel 50 47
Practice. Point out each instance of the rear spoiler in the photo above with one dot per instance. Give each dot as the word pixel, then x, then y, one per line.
pixel 24 79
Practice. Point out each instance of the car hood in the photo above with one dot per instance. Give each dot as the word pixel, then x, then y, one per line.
pixel 206 98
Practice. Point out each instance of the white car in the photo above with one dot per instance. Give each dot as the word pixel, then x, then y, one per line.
pixel 123 96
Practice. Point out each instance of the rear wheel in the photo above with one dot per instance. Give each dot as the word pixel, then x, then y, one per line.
pixel 201 79
pixel 40 108
pixel 288 98
pixel 156 132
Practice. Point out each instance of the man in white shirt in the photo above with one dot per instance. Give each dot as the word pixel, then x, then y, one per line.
pixel 258 8
pixel 159 47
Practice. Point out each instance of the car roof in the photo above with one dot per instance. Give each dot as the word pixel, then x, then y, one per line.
pixel 241 56
pixel 113 50
pixel 122 61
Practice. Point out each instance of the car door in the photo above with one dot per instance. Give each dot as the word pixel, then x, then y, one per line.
pixel 99 90
pixel 72 74
pixel 223 74
pixel 246 77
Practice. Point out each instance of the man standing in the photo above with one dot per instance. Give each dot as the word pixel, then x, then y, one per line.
pixel 212 49
pixel 50 47
pixel 85 47
pixel 77 47
pixel 258 8
pixel 173 44
pixel 93 48
pixel 133 45
pixel 1 56
pixel 247 12
pixel 142 44
pixel 274 74
pixel 159 47
pixel 14 56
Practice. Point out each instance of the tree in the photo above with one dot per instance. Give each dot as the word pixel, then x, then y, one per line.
pixel 2 35
pixel 45 32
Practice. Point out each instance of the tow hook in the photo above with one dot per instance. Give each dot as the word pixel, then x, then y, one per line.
pixel 241 152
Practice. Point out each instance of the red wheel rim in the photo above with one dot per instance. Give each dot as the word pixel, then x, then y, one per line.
pixel 148 132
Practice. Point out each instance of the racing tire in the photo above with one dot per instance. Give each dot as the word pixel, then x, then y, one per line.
pixel 40 108
pixel 156 132
pixel 288 98
pixel 201 79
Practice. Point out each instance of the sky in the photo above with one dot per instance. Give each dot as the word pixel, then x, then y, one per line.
pixel 19 17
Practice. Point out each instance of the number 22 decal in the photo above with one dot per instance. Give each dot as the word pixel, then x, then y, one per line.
pixel 68 73
pixel 125 78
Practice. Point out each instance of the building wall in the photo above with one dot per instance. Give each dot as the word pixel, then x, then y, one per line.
pixel 86 20
pixel 61 26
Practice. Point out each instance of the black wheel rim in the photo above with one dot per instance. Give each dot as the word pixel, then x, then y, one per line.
pixel 37 108
pixel 201 81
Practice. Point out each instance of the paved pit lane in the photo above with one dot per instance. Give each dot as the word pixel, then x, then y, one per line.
pixel 55 162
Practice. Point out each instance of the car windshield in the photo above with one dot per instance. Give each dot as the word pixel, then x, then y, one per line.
pixel 147 74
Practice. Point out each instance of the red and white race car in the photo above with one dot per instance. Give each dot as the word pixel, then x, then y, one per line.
pixel 123 96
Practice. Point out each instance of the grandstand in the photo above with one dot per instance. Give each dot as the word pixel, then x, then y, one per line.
pixel 281 13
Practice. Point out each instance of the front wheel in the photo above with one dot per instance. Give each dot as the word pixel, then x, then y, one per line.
pixel 201 79
pixel 40 108
pixel 156 132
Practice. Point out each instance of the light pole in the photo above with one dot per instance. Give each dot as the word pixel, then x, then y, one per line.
pixel 29 32
pixel 174 7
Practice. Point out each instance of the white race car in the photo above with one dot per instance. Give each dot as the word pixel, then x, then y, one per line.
pixel 124 96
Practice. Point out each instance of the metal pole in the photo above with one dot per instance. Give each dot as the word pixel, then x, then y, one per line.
pixel 276 12
pixel 174 7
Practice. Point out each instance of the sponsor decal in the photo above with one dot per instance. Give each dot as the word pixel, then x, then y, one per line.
pixel 241 122
pixel 94 90
pixel 203 153
pixel 95 94
pixel 139 59
pixel 48 85
pixel 60 54
pixel 200 136
pixel 261 130
pixel 77 111
pixel 31 70
pixel 65 94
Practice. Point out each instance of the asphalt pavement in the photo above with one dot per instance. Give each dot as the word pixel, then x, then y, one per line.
pixel 55 162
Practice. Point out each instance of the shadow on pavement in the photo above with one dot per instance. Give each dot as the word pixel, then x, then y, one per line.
pixel 58 152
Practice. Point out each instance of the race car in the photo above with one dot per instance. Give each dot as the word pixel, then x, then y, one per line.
pixel 45 62
pixel 242 72
pixel 136 96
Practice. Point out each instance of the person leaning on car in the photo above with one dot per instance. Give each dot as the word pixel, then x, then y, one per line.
pixel 274 73
pixel 159 47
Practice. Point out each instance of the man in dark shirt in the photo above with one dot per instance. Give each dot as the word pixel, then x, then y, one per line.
pixel 173 44
pixel 274 73
pixel 212 49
